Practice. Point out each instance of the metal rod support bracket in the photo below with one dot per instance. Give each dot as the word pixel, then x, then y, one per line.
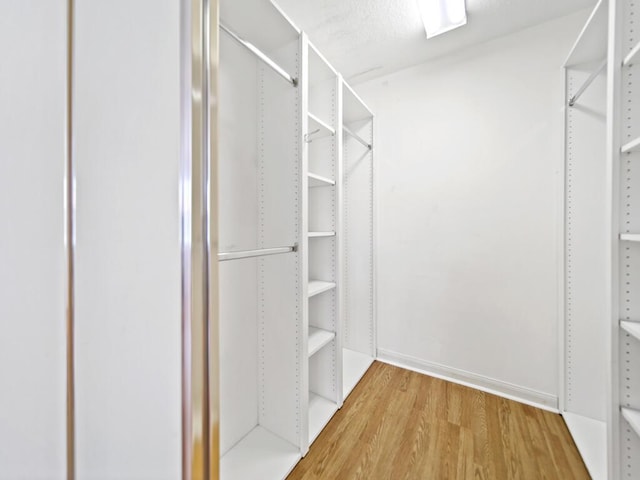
pixel 261 55
pixel 261 252
pixel 356 137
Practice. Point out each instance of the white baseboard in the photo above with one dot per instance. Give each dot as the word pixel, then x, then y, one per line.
pixel 480 382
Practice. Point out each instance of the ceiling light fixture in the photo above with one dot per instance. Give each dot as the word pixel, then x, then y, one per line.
pixel 440 16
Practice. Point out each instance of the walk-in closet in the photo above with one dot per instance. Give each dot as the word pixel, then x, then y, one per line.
pixel 271 239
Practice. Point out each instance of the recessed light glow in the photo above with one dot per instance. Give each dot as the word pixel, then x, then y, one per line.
pixel 440 16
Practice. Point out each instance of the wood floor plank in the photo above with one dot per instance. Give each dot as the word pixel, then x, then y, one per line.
pixel 398 424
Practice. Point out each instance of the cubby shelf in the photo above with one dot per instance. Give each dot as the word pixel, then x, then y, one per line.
pixel 320 412
pixel 318 286
pixel 316 124
pixel 259 455
pixel 633 418
pixel 632 328
pixel 319 181
pixel 318 338
pixel 321 234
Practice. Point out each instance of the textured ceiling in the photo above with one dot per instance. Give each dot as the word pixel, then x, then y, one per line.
pixel 364 39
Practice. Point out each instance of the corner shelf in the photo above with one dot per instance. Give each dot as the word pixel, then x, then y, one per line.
pixel 317 286
pixel 320 412
pixel 319 181
pixel 318 338
pixel 633 418
pixel 321 234
pixel 632 328
pixel 259 455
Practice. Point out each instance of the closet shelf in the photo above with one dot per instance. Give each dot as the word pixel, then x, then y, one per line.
pixel 320 412
pixel 259 455
pixel 633 418
pixel 630 237
pixel 318 338
pixel 354 366
pixel 317 125
pixel 631 146
pixel 319 181
pixel 592 41
pixel 632 328
pixel 629 59
pixel 321 234
pixel 317 286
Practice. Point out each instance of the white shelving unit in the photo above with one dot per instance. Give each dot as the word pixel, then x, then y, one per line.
pixel 585 357
pixel 602 272
pixel 322 165
pixel 358 286
pixel 260 297
pixel 625 146
pixel 282 129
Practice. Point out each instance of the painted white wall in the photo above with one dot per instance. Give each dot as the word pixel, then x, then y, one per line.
pixel 470 151
pixel 128 315
pixel 32 254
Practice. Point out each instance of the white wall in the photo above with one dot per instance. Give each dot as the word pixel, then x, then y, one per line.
pixel 470 151
pixel 32 254
pixel 128 271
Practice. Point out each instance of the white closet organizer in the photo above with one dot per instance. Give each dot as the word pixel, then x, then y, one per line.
pixel 626 419
pixel 283 242
pixel 586 356
pixel 358 279
pixel 259 210
pixel 322 219
pixel 603 242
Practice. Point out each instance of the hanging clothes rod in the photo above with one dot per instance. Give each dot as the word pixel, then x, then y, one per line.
pixel 357 137
pixel 262 252
pixel 588 82
pixel 262 56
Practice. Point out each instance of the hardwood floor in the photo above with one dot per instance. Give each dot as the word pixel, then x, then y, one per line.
pixel 399 424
